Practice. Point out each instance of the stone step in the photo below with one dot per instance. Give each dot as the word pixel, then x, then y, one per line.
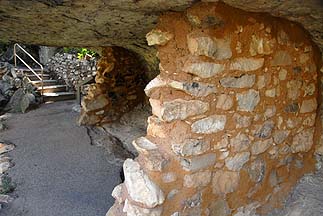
pixel 53 88
pixel 33 77
pixel 25 69
pixel 46 82
pixel 58 96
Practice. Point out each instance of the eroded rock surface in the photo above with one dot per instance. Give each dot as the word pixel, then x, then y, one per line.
pixel 125 23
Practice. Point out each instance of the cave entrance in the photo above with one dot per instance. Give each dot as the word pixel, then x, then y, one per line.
pixel 58 154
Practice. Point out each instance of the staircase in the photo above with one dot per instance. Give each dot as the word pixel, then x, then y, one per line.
pixel 50 89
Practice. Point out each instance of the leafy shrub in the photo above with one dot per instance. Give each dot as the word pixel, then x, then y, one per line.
pixel 80 52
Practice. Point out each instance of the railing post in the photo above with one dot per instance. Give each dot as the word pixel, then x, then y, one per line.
pixel 14 55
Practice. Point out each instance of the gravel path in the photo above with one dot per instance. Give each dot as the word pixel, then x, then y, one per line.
pixel 57 171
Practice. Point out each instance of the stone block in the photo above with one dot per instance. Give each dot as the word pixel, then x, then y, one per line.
pixel 204 69
pixel 248 100
pixel 236 162
pixel 140 187
pixel 198 162
pixel 178 109
pixel 209 125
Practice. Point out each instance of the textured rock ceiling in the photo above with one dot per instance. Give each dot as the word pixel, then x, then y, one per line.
pixel 124 22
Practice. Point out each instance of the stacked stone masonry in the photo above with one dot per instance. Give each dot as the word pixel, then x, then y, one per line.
pixel 118 87
pixel 69 70
pixel 234 122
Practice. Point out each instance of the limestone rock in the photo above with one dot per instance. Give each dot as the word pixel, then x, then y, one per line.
pixel 144 145
pixel 239 143
pixel 6 198
pixel 201 46
pixel 282 37
pixel 198 162
pixel 169 177
pixel 191 147
pixel 219 207
pixel 246 64
pixel 117 193
pixel 93 104
pixel 242 121
pixel 158 37
pixel 178 109
pixel 257 170
pixel 4 148
pixel 261 46
pixel 261 146
pixel 139 186
pixel 280 136
pixel 198 179
pixel 155 83
pixel 293 89
pixel 265 130
pixel 116 209
pixel 209 125
pixel 225 182
pixel 291 108
pixel 270 93
pixel 293 122
pixel 4 166
pixel 303 141
pixel 236 162
pixel 223 143
pixel 281 58
pixel 244 81
pixel 282 74
pixel 155 161
pixel 204 69
pixel 223 48
pixel 197 89
pixel 310 120
pixel 309 89
pixel 134 210
pixel 309 105
pixel 224 102
pixel 248 100
pixel 270 112
pixel 172 193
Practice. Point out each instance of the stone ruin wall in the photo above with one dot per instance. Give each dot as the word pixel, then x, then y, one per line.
pixel 70 70
pixel 118 87
pixel 234 122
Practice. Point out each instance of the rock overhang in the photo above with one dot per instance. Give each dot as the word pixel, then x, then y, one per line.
pixel 125 23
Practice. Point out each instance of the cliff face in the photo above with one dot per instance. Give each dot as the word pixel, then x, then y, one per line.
pixel 98 23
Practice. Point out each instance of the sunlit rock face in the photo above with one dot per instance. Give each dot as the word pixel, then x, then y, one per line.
pixel 124 23
pixel 234 122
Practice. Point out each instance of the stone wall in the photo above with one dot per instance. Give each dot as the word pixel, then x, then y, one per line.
pixel 234 122
pixel 70 70
pixel 118 88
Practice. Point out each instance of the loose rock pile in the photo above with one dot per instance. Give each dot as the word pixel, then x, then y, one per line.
pixel 5 181
pixel 17 94
pixel 68 69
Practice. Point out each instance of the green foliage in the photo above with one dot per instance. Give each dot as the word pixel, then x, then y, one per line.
pixel 7 185
pixel 80 52
pixel 83 52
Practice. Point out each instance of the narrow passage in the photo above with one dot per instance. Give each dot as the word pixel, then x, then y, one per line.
pixel 57 171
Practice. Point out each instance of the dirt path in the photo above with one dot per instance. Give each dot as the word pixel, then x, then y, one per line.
pixel 57 171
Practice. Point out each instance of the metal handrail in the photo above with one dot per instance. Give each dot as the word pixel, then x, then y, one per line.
pixel 41 78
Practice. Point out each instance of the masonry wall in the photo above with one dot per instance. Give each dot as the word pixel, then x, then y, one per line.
pixel 234 122
pixel 118 88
